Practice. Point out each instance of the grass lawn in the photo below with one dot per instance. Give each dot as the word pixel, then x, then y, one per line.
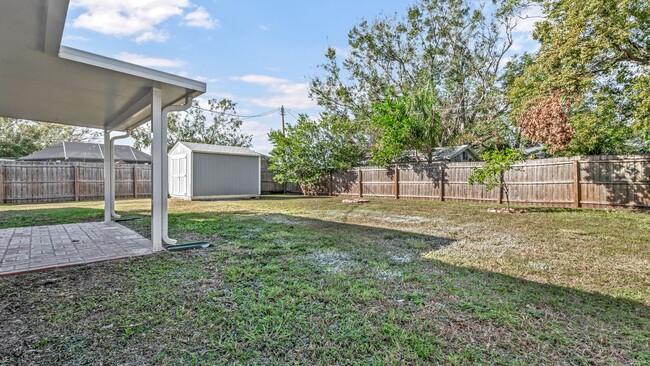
pixel 315 281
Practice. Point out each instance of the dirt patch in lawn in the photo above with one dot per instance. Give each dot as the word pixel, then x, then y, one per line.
pixel 334 262
pixel 284 220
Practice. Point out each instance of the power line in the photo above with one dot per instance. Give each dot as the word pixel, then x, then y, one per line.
pixel 263 114
pixel 282 113
pixel 291 113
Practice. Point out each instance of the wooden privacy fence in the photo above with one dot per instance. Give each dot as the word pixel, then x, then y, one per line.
pixel 31 182
pixel 268 185
pixel 595 181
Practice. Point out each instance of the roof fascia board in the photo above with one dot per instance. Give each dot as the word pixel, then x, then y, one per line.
pixel 126 114
pixel 56 12
pixel 226 153
pixel 108 63
pixel 458 151
pixel 128 122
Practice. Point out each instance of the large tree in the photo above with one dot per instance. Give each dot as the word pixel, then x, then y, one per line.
pixel 193 126
pixel 408 127
pixel 309 150
pixel 456 47
pixel 587 89
pixel 20 137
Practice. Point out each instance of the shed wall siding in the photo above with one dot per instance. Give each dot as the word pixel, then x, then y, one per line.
pixel 221 175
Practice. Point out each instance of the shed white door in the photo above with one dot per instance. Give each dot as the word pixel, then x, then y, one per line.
pixel 179 175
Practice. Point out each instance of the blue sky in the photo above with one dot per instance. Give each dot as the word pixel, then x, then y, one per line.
pixel 261 54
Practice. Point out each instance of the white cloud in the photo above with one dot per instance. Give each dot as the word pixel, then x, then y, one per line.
pixel 156 36
pixel 260 79
pixel 73 38
pixel 264 27
pixel 219 95
pixel 149 61
pixel 342 52
pixel 244 111
pixel 137 18
pixel 285 92
pixel 255 128
pixel 260 132
pixel 520 42
pixel 206 79
pixel 200 18
pixel 126 17
pixel 528 18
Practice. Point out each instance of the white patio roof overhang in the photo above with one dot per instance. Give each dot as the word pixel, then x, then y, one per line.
pixel 43 81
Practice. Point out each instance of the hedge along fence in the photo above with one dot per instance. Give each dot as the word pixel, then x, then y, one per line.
pixel 595 181
pixel 33 182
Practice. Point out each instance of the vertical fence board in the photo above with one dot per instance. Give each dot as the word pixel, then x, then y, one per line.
pixel 2 184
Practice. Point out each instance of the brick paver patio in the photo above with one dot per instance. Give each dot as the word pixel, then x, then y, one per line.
pixel 42 247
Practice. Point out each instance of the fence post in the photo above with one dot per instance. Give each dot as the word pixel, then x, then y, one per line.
pixel 331 185
pixel 135 181
pixel 396 182
pixel 360 182
pixel 500 198
pixel 442 182
pixel 576 183
pixel 76 183
pixel 2 184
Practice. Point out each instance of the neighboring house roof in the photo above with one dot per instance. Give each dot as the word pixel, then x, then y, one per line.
pixel 450 152
pixel 539 150
pixel 439 154
pixel 442 153
pixel 82 151
pixel 218 149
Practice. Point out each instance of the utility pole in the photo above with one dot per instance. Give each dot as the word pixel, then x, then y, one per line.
pixel 283 134
pixel 282 113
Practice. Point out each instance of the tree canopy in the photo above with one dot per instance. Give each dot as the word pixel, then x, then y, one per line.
pixel 309 150
pixel 590 78
pixel 20 137
pixel 192 126
pixel 437 76
pixel 407 127
pixel 453 51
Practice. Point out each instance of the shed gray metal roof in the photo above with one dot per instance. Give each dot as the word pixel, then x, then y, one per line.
pixel 81 151
pixel 219 149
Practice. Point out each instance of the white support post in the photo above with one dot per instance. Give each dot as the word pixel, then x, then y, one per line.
pixel 165 181
pixel 112 169
pixel 158 155
pixel 165 167
pixel 108 191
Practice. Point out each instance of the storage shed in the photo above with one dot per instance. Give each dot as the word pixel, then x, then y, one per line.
pixel 204 171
